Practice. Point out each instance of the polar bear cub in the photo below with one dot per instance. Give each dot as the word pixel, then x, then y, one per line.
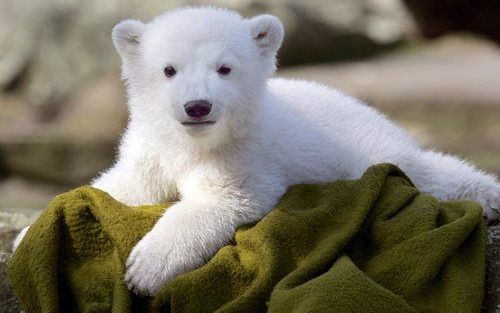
pixel 210 127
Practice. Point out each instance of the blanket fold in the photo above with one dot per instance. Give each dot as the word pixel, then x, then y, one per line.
pixel 375 244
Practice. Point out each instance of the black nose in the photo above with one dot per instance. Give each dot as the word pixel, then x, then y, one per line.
pixel 197 108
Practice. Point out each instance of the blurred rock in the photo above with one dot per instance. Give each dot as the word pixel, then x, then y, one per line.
pixel 22 193
pixel 71 148
pixel 59 45
pixel 318 30
pixel 436 18
pixel 96 111
pixel 453 70
pixel 491 302
pixel 17 219
pixel 8 302
pixel 7 236
pixel 56 160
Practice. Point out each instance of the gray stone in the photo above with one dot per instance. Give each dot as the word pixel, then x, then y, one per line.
pixel 11 221
pixel 24 194
pixel 17 218
pixel 61 44
pixel 73 146
pixel 7 236
pixel 456 69
pixel 8 302
pixel 58 161
pixel 492 292
pixel 318 30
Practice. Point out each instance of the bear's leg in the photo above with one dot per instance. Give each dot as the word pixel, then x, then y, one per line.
pixel 191 231
pixel 450 178
pixel 131 185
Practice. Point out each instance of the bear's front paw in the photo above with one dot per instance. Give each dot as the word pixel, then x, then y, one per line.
pixel 146 270
pixel 160 256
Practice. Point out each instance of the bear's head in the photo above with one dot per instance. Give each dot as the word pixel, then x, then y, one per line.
pixel 199 71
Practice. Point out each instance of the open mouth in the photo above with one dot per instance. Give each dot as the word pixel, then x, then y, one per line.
pixel 198 123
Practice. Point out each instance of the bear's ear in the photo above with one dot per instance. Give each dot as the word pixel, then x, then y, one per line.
pixel 127 36
pixel 267 31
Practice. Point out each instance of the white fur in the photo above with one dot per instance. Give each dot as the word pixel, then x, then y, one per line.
pixel 269 134
pixel 19 238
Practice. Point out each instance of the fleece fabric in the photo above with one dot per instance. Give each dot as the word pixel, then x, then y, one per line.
pixel 375 244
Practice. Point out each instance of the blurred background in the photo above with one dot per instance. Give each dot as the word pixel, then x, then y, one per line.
pixel 433 66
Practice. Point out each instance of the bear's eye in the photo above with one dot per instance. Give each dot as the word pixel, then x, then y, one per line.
pixel 169 71
pixel 224 70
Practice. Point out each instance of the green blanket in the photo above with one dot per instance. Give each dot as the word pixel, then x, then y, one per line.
pixel 370 245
